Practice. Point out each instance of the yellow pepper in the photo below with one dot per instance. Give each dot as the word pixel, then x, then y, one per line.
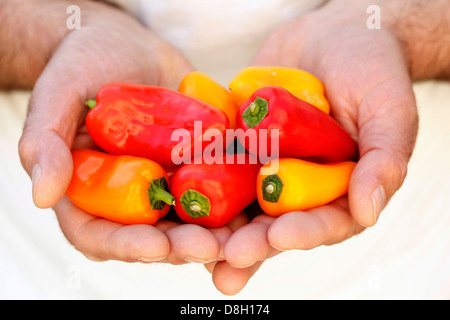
pixel 298 82
pixel 292 184
pixel 198 85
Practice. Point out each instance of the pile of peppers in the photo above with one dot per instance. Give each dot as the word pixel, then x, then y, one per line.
pixel 132 177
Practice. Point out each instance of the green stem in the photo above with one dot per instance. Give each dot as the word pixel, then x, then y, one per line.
pixel 256 112
pixel 271 188
pixel 91 104
pixel 195 204
pixel 158 194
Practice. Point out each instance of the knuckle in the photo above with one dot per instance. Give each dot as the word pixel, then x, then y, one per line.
pixel 26 148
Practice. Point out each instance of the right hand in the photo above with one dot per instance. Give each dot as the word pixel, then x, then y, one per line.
pixel 113 47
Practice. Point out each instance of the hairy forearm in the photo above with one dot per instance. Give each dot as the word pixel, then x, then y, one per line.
pixel 423 26
pixel 30 31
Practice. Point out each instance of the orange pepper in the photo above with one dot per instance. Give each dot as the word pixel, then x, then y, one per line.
pixel 198 85
pixel 124 189
pixel 293 184
pixel 298 82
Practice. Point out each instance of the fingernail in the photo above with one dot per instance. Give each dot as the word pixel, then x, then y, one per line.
pixel 242 266
pixel 378 202
pixel 220 257
pixel 279 248
pixel 35 175
pixel 195 260
pixel 148 260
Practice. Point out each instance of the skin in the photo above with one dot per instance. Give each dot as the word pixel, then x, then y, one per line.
pixel 70 68
pixel 372 99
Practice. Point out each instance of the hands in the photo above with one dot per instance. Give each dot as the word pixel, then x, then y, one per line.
pixel 367 77
pixel 365 73
pixel 111 47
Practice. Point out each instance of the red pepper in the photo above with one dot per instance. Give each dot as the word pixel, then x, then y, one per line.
pixel 213 194
pixel 170 171
pixel 304 131
pixel 138 120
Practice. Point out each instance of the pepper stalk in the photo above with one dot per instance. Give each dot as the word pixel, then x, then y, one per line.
pixel 195 204
pixel 256 112
pixel 158 194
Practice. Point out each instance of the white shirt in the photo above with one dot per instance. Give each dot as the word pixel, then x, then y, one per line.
pixel 218 37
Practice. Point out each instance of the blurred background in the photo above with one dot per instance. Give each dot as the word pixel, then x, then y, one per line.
pixel 405 256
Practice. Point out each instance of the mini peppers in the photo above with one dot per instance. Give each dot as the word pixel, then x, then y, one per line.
pixel 213 194
pixel 124 189
pixel 139 120
pixel 298 82
pixel 300 185
pixel 198 85
pixel 304 131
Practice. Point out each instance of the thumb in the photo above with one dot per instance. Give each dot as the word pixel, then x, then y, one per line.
pixel 387 133
pixel 55 110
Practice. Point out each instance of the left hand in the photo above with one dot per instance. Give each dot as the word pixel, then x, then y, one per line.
pixel 365 73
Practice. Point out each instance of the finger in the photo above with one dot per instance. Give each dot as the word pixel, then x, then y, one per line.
pixel 222 235
pixel 47 159
pixel 326 225
pixel 210 266
pixel 101 240
pixel 231 281
pixel 55 113
pixel 249 244
pixel 192 243
pixel 387 133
